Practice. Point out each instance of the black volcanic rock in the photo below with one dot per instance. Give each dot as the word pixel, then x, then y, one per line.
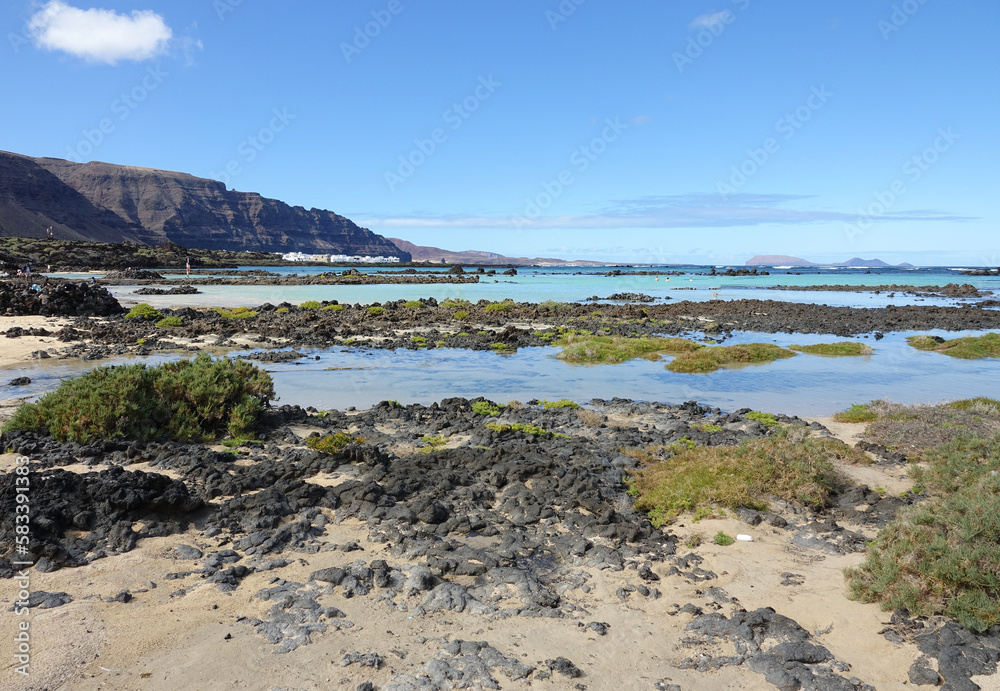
pixel 112 203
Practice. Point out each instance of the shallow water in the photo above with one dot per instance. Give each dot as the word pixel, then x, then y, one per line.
pixel 802 385
pixel 574 284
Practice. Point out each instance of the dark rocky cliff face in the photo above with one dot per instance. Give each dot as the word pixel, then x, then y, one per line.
pixel 102 201
pixel 32 199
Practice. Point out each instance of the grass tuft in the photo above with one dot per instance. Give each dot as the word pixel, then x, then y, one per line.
pixel 680 478
pixel 843 349
pixel 562 403
pixel 144 312
pixel 858 412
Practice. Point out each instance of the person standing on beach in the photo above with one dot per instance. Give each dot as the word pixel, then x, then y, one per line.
pixel 187 266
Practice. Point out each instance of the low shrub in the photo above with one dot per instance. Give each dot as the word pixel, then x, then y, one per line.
pixel 461 315
pixel 486 408
pixel 766 419
pixel 332 308
pixel 505 306
pixel 683 478
pixel 144 312
pixel 310 305
pixel 241 313
pixel 562 403
pixel 376 311
pixel 170 322
pixel 858 412
pixel 413 305
pixel 722 539
pixel 333 443
pixel 941 555
pixel 187 400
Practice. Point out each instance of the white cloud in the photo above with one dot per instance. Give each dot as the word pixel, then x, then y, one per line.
pixel 99 35
pixel 710 19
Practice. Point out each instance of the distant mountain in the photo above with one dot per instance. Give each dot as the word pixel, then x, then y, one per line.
pixel 855 262
pixel 113 203
pixel 436 255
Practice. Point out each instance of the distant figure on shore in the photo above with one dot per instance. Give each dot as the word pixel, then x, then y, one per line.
pixel 93 280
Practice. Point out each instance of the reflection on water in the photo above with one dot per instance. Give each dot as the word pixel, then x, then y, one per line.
pixel 802 385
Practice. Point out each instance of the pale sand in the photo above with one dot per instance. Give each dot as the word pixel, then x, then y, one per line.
pixel 180 641
pixel 17 351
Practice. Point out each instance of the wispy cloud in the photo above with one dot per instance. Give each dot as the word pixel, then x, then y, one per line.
pixel 710 19
pixel 98 35
pixel 671 211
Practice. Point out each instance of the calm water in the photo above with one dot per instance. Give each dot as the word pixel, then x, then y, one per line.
pixel 576 284
pixel 803 385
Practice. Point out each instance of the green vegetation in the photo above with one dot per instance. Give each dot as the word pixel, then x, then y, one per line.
pixel 486 408
pixel 611 350
pixel 236 442
pixel 967 348
pixel 505 306
pixel 788 464
pixel 916 427
pixel 332 308
pixel 187 400
pixel 282 310
pixel 452 303
pixel 170 322
pixel 552 306
pixel 845 348
pixel 858 412
pixel 722 539
pixel 712 358
pixel 419 340
pixel 144 312
pixel 376 311
pixel 461 315
pixel 941 555
pixel 236 313
pixel 433 443
pixel 562 403
pixel 310 305
pixel 501 347
pixel 333 443
pixel 706 427
pixel 766 419
pixel 413 305
pixel 981 404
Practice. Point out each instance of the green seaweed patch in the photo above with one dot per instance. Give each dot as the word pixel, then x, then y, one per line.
pixel 611 350
pixel 713 358
pixel 966 348
pixel 842 349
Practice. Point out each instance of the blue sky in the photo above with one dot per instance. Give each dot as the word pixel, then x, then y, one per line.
pixel 643 131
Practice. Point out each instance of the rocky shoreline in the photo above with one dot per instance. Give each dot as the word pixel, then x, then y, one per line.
pixel 455 519
pixel 952 290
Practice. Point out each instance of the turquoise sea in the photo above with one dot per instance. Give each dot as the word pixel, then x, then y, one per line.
pixel 803 385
